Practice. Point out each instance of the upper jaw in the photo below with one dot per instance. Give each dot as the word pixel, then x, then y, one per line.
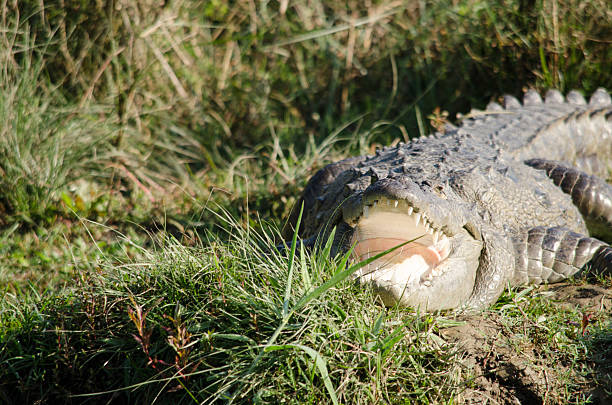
pixel 418 223
pixel 408 197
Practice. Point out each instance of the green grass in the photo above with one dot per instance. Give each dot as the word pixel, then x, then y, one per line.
pixel 224 319
pixel 232 319
pixel 149 154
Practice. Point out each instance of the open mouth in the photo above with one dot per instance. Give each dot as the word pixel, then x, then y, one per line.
pixel 388 223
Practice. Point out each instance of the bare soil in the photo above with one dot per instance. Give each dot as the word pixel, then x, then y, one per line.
pixel 507 363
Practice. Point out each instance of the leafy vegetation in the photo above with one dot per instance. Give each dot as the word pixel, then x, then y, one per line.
pixel 149 151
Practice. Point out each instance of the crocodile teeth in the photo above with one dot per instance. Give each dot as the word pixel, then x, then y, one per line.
pixel 395 203
pixel 436 237
pixel 417 219
pixel 366 212
pixel 374 204
pixel 410 210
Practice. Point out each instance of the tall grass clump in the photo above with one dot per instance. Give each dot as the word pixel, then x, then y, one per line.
pixel 198 88
pixel 197 84
pixel 46 142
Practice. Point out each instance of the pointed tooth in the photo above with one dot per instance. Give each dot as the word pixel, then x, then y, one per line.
pixel 374 204
pixel 436 237
pixel 417 219
pixel 395 203
pixel 410 210
pixel 366 211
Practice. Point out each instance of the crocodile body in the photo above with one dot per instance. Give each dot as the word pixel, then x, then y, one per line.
pixel 508 197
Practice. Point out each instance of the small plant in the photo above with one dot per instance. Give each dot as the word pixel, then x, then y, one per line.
pixel 138 316
pixel 181 341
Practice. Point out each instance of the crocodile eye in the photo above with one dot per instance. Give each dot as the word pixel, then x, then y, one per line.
pixel 439 190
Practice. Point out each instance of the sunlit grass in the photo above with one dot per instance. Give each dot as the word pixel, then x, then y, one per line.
pixel 232 320
pixel 149 155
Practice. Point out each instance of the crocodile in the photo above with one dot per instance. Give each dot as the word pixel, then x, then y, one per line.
pixel 508 197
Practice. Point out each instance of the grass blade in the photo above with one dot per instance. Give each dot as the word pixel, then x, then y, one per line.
pixel 319 362
pixel 290 264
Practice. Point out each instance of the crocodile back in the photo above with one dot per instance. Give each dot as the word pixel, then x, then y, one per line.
pixel 567 130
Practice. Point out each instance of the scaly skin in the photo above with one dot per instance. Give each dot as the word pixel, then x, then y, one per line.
pixel 504 213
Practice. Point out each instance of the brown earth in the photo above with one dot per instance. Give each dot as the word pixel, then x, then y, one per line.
pixel 516 363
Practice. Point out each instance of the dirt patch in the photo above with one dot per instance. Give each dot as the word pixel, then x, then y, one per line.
pixel 587 297
pixel 517 363
pixel 500 374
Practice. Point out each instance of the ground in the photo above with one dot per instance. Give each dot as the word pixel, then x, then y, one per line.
pixel 508 370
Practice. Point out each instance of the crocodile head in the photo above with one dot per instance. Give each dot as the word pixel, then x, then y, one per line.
pixel 437 269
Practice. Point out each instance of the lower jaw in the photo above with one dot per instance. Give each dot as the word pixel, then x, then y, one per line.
pixel 447 290
pixel 413 268
pixel 447 285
